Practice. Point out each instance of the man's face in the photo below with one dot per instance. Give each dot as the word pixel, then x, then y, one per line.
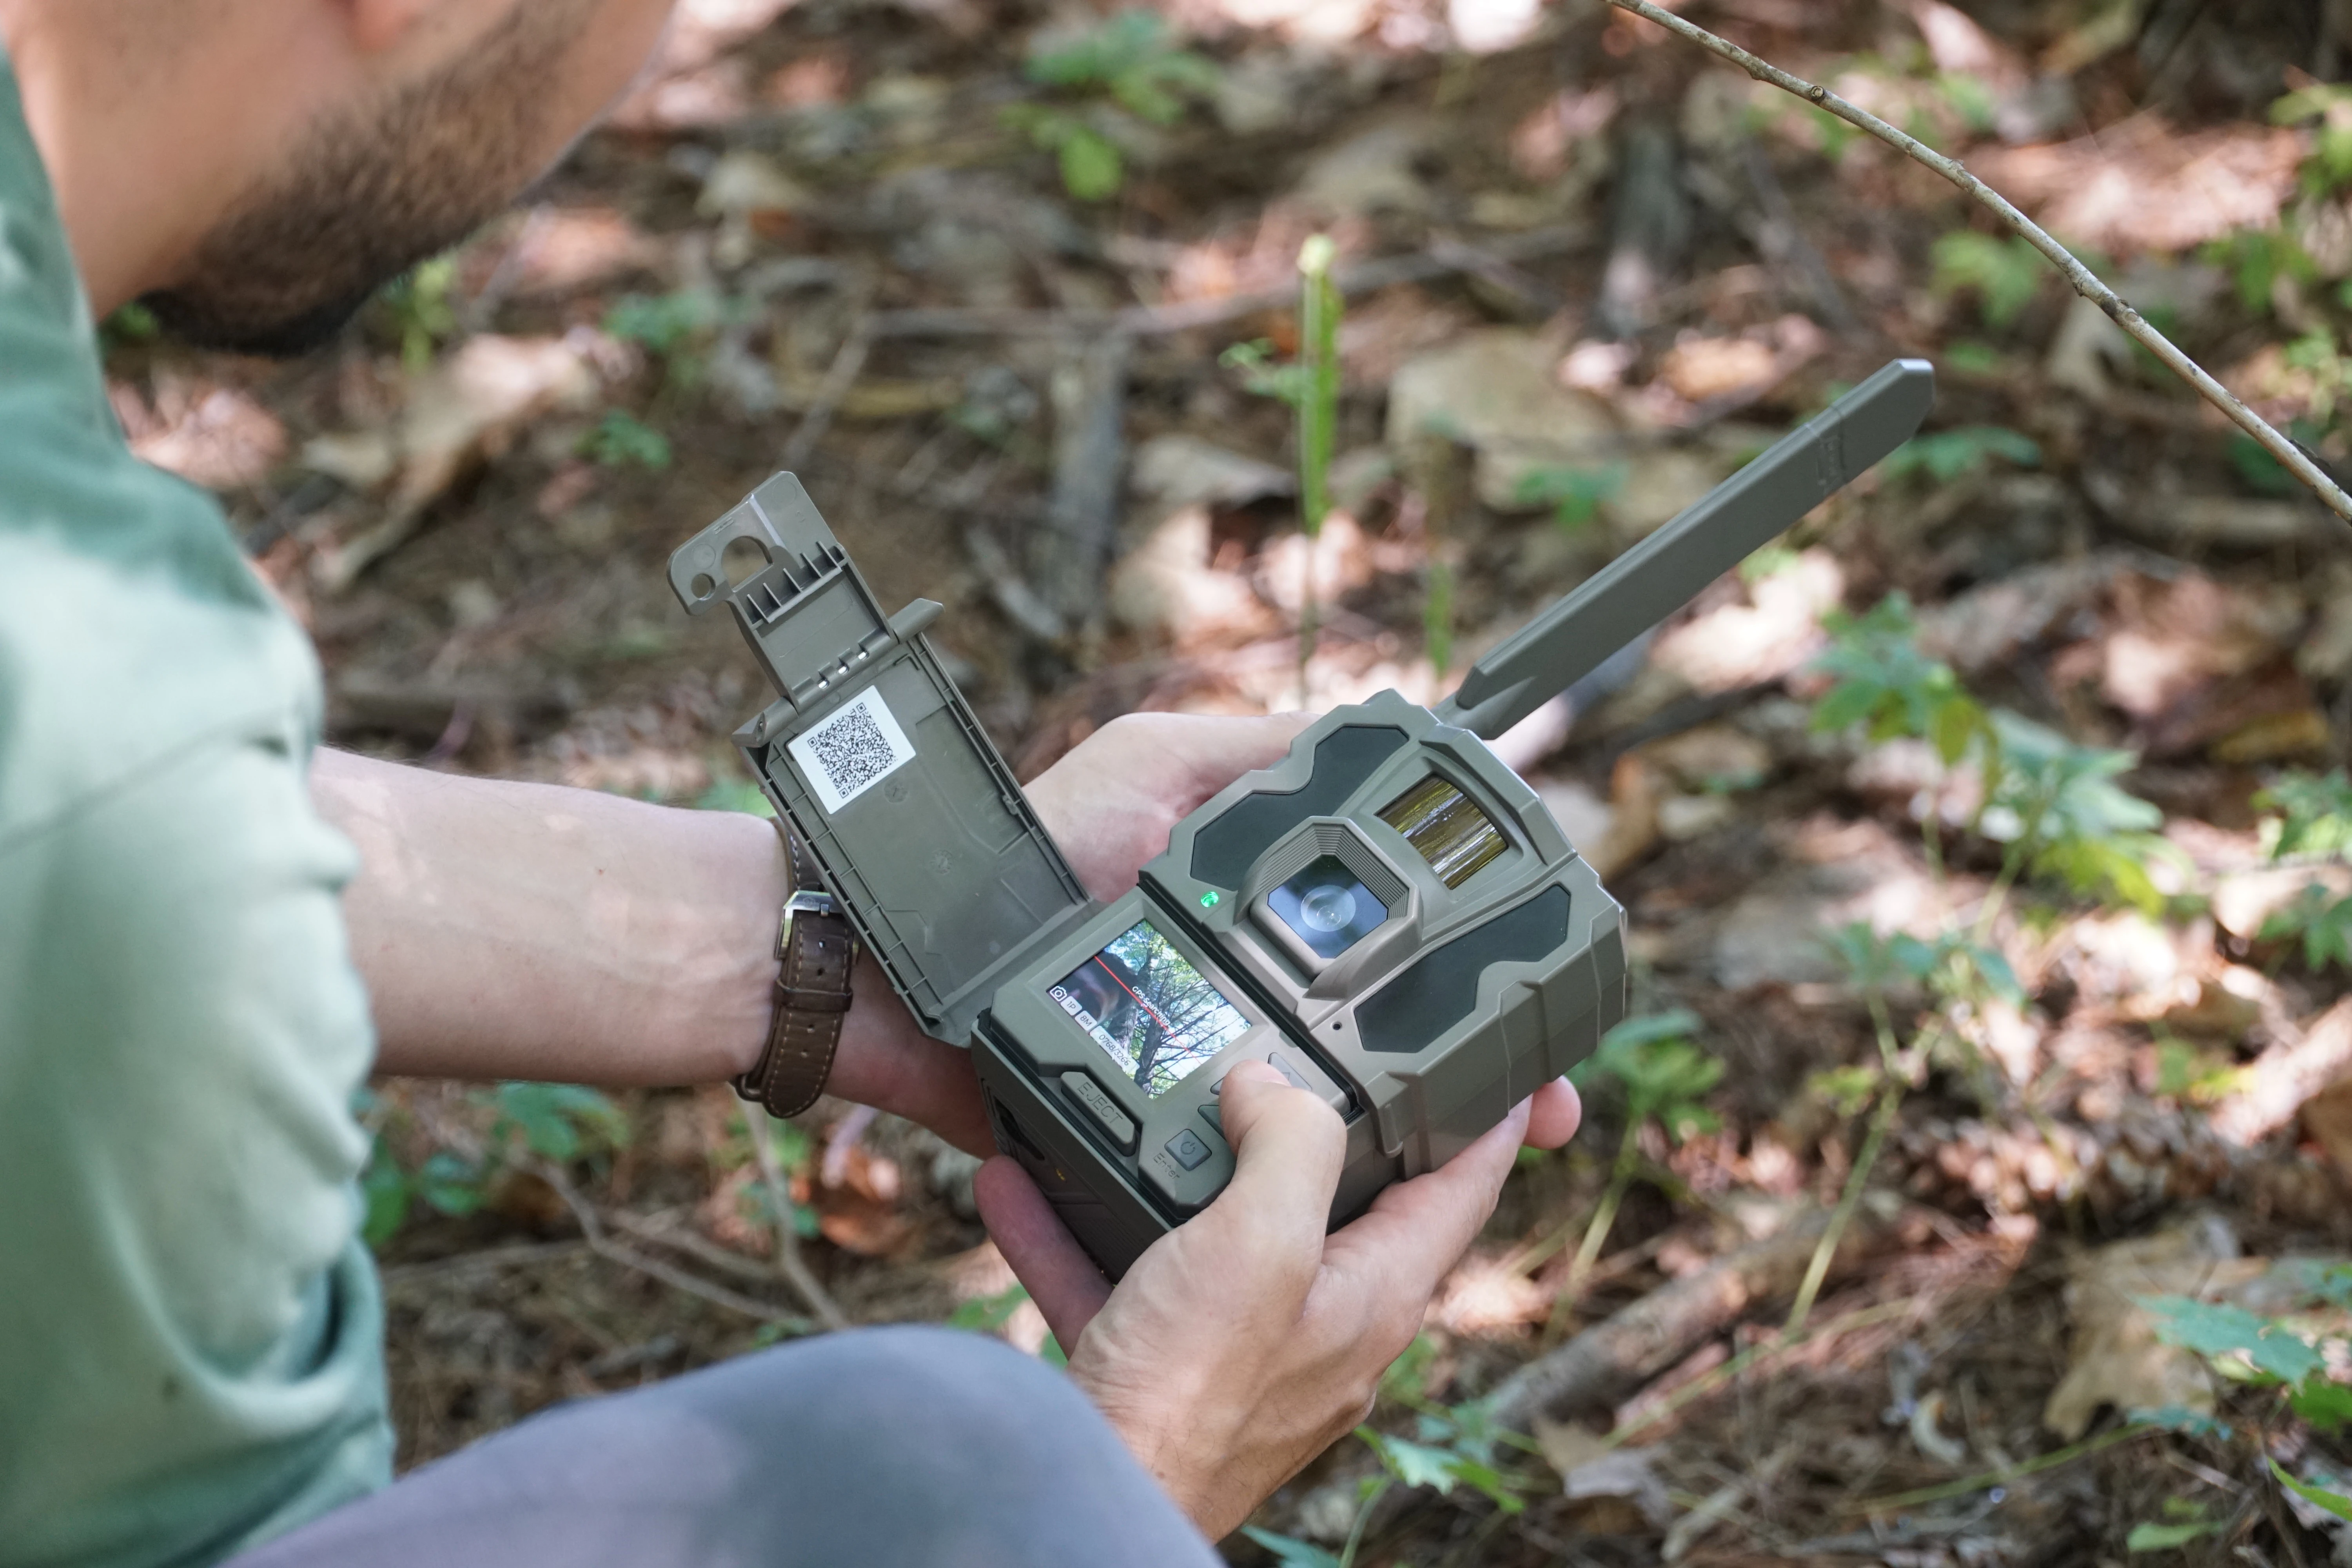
pixel 375 190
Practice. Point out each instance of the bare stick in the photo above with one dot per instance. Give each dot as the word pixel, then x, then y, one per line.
pixel 2084 281
pixel 592 1229
pixel 788 1261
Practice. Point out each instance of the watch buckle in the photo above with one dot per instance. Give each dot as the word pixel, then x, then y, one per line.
pixel 814 901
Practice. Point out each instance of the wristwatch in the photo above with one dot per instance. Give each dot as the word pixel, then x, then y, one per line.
pixel 816 950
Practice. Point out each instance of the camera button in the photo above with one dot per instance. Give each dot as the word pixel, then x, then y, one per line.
pixel 1215 1117
pixel 1324 1089
pixel 1099 1105
pixel 1188 1150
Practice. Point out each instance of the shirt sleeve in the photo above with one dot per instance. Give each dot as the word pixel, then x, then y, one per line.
pixel 190 1334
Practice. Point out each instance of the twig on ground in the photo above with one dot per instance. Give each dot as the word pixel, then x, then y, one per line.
pixel 848 360
pixel 592 1229
pixel 788 1261
pixel 1616 1356
pixel 664 1231
pixel 2087 283
pixel 487 1260
pixel 1158 321
pixel 1722 1503
pixel 2035 1466
pixel 1779 1344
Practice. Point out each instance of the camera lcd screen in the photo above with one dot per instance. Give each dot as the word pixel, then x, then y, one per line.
pixel 1150 1010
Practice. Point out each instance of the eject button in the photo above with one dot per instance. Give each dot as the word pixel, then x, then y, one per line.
pixel 1102 1108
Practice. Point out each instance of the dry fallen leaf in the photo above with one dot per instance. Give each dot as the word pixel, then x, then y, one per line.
pixel 2114 1358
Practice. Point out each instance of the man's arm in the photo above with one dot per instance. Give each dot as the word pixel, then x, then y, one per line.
pixel 533 931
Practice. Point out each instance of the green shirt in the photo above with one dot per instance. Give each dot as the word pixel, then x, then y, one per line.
pixel 191 1337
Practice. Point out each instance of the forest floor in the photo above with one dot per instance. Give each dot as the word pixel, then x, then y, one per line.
pixel 2085 1053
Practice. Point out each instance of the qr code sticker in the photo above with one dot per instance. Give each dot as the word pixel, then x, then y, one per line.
pixel 851 752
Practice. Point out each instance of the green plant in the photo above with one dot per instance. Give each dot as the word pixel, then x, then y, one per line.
pixel 559 1122
pixel 1451 1446
pixel 1437 616
pixel 2255 259
pixel 1310 386
pixel 1948 454
pixel 1663 1077
pixel 423 314
pixel 2313 823
pixel 2051 806
pixel 131 323
pixel 675 330
pixel 2184 1522
pixel 2329 167
pixel 1881 680
pixel 1574 494
pixel 2266 1354
pixel 2258 470
pixel 2003 274
pixel 1129 65
pixel 622 441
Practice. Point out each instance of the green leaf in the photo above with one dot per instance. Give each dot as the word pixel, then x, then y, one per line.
pixel 2004 274
pixel 2151 1537
pixel 449 1184
pixel 620 440
pixel 1848 1088
pixel 1405 1376
pixel 1091 169
pixel 1879 675
pixel 2319 1496
pixel 1414 1464
pixel 1291 1551
pixel 558 1122
pixel 1957 721
pixel 1574 494
pixel 2186 1422
pixel 1493 1483
pixel 986 1314
pixel 1946 454
pixel 385 1190
pixel 2326 1405
pixel 2314 814
pixel 2216 1331
pixel 1679 1024
pixel 663 324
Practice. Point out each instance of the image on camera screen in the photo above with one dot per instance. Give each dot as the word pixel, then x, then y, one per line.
pixel 1150 1010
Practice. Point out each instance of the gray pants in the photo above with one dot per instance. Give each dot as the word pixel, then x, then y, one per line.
pixel 896 1447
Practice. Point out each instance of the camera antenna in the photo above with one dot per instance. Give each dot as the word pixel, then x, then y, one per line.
pixel 1660 575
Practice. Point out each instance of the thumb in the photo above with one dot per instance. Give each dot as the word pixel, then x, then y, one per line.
pixel 1288 1148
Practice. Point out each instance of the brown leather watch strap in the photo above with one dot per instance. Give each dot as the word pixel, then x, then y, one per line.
pixel 817 951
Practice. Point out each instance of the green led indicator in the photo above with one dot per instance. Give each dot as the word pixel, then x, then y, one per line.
pixel 1209 899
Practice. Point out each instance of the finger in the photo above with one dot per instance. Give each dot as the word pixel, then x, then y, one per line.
pixel 1288 1148
pixel 1046 1258
pixel 1554 1113
pixel 1416 1230
pixel 1212 752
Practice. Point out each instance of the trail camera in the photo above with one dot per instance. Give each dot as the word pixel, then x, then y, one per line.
pixel 1389 916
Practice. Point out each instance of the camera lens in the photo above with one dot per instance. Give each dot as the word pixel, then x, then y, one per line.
pixel 1328 908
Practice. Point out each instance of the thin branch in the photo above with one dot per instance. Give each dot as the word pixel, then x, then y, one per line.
pixel 592 1229
pixel 2290 455
pixel 1442 259
pixel 788 1261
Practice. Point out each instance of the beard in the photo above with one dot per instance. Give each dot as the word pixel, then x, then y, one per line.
pixel 373 194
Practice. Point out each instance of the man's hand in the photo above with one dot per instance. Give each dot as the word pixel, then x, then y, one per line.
pixel 1247 1340
pixel 1110 804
